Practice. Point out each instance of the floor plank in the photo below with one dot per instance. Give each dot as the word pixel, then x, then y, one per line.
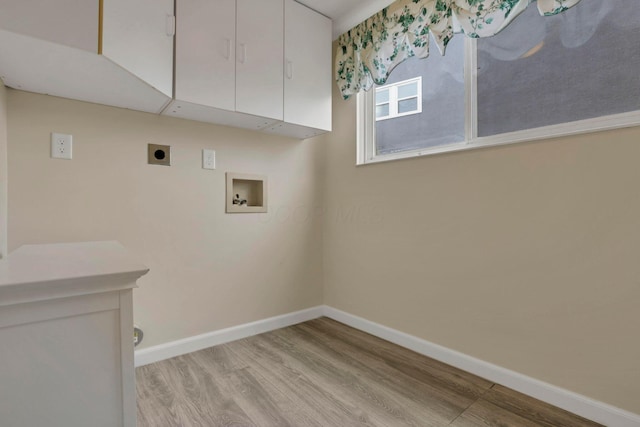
pixel 323 373
pixel 483 414
pixel 401 358
pixel 383 405
pixel 387 357
pixel 197 399
pixel 308 395
pixel 431 400
pixel 531 409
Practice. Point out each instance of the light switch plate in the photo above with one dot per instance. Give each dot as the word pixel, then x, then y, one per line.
pixel 61 146
pixel 208 159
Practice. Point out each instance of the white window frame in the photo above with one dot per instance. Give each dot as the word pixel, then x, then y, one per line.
pixel 366 120
pixel 394 99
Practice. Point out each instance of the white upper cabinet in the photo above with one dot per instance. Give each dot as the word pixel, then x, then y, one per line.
pixel 257 64
pixel 205 53
pixel 62 48
pixel 229 56
pixel 51 20
pixel 307 83
pixel 260 57
pixel 214 61
pixel 138 36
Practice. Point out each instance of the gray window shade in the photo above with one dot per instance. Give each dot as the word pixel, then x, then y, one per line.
pixel 540 71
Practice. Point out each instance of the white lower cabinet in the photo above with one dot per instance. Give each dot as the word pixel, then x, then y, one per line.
pixel 66 327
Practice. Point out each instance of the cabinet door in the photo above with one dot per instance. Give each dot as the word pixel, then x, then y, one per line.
pixel 307 84
pixel 205 52
pixel 260 58
pixel 137 35
pixel 68 22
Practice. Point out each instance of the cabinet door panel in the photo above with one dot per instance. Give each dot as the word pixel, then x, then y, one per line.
pixel 62 371
pixel 260 58
pixel 205 52
pixel 134 36
pixel 68 22
pixel 307 84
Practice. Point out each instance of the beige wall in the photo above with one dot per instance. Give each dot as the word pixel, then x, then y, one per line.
pixel 3 170
pixel 209 270
pixel 525 256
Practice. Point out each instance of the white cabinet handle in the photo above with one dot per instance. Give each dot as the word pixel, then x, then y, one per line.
pixel 289 69
pixel 227 51
pixel 171 25
pixel 242 57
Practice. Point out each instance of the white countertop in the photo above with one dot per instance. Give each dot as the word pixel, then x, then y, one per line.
pixel 35 272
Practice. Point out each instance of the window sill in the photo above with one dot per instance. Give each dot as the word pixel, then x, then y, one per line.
pixel 598 124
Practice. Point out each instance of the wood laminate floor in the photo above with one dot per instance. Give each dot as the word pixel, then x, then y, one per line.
pixel 323 373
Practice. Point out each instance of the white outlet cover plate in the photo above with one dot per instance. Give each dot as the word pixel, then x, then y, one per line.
pixel 208 159
pixel 61 146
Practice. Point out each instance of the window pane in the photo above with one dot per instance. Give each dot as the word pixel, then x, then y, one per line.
pixel 382 96
pixel 442 119
pixel 407 105
pixel 382 110
pixel 408 90
pixel 580 64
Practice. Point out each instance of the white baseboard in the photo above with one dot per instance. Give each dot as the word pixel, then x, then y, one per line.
pixel 168 350
pixel 556 396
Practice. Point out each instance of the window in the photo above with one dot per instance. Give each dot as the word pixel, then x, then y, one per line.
pixel 439 118
pixel 399 99
pixel 543 71
pixel 540 77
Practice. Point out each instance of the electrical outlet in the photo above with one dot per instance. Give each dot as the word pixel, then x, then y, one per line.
pixel 208 159
pixel 61 146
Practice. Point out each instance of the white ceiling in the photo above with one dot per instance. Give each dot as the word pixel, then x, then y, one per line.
pixel 345 14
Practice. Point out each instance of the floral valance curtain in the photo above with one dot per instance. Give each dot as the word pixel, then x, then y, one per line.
pixel 368 52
